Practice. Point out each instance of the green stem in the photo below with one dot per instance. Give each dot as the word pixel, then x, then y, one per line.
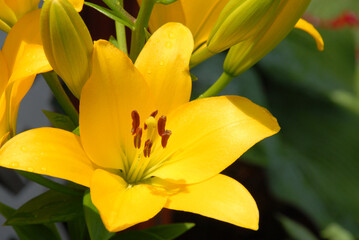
pixel 50 184
pixel 54 84
pixel 200 56
pixel 138 35
pixel 121 34
pixel 218 86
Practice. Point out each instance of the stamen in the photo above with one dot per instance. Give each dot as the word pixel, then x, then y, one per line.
pixel 135 121
pixel 161 124
pixel 137 138
pixel 165 136
pixel 147 148
pixel 154 114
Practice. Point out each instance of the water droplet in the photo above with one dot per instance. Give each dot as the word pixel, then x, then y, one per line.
pixel 14 164
pixel 30 169
pixel 171 35
pixel 43 169
pixel 162 63
pixel 149 71
pixel 42 154
pixel 23 148
pixel 168 44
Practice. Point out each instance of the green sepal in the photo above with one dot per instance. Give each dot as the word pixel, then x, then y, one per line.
pixel 48 207
pixel 165 2
pixel 112 14
pixel 59 120
pixel 94 223
pixel 31 232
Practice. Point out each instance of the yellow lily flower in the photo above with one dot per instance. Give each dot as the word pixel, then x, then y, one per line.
pixel 143 146
pixel 21 58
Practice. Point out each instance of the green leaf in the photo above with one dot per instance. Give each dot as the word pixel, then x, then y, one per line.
pixel 336 232
pixel 77 229
pixel 165 2
pixel 31 232
pixel 48 207
pixel 59 120
pixel 171 231
pixel 93 220
pixel 136 235
pixel 51 184
pixel 295 230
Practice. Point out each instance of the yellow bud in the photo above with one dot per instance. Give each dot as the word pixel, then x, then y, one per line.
pixel 67 43
pixel 240 20
pixel 246 53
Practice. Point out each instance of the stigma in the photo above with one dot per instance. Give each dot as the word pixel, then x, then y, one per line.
pixel 154 128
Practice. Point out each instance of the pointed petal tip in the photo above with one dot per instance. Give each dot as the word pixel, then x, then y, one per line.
pixel 310 29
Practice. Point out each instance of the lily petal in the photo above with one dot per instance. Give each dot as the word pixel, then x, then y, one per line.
pixel 210 134
pixel 220 197
pixel 21 7
pixel 23 49
pixel 121 205
pixel 198 18
pixel 78 4
pixel 38 151
pixel 7 16
pixel 4 76
pixel 113 91
pixel 310 29
pixel 164 62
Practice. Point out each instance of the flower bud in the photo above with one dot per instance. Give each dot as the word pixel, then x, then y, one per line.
pixel 246 53
pixel 67 43
pixel 238 21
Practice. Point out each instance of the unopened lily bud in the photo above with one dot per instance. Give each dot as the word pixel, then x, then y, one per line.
pixel 246 53
pixel 67 43
pixel 240 20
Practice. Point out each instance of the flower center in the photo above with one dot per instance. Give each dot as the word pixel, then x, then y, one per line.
pixel 154 129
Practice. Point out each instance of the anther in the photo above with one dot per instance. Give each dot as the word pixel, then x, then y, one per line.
pixel 147 148
pixel 161 124
pixel 135 121
pixel 154 114
pixel 137 138
pixel 165 136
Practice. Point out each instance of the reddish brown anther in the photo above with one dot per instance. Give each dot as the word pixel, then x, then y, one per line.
pixel 161 125
pixel 165 136
pixel 135 121
pixel 147 148
pixel 154 114
pixel 137 138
